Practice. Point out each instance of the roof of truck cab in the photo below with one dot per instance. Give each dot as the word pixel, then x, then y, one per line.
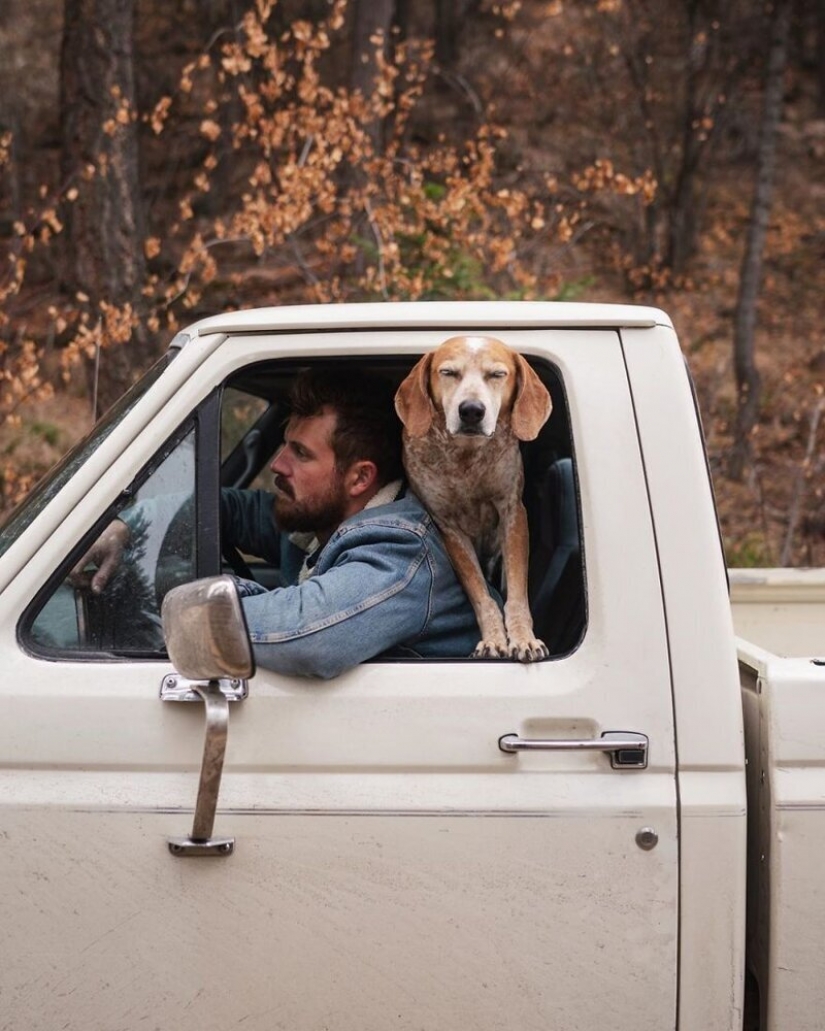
pixel 431 315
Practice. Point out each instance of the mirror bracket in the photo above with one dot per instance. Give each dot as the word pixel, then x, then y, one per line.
pixel 186 847
pixel 200 842
pixel 207 639
pixel 175 688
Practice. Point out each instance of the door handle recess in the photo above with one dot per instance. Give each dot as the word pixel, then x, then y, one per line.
pixel 200 842
pixel 627 750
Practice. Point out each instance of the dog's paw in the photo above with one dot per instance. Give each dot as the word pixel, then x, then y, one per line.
pixel 528 650
pixel 490 648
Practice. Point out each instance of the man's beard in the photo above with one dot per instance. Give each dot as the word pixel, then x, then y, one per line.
pixel 321 515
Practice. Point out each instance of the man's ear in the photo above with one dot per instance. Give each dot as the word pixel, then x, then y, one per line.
pixel 361 477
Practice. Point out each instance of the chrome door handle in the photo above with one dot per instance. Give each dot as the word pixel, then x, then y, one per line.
pixel 627 750
pixel 200 842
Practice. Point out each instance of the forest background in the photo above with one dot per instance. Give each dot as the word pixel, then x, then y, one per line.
pixel 163 161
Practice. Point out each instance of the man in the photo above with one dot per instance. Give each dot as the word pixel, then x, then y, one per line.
pixel 364 567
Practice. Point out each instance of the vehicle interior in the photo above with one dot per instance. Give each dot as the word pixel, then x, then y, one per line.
pixel 254 410
pixel 173 512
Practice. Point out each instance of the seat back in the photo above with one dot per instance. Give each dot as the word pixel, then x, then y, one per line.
pixel 556 576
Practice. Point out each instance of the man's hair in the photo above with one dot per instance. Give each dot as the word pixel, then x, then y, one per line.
pixel 366 426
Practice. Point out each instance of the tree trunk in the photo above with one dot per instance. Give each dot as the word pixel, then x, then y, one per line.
pixel 820 64
pixel 104 239
pixel 682 222
pixel 448 19
pixel 682 226
pixel 371 17
pixel 748 381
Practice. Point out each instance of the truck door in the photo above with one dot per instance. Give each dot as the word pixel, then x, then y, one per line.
pixel 417 844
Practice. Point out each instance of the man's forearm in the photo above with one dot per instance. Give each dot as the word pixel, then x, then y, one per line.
pixel 350 613
pixel 247 523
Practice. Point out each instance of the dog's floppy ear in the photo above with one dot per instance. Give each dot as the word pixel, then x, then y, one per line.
pixel 532 406
pixel 412 399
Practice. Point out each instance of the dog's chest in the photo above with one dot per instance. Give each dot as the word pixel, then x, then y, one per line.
pixel 467 484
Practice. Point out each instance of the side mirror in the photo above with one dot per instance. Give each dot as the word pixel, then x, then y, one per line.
pixel 205 630
pixel 208 643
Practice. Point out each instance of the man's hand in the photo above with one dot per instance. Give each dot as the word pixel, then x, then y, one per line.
pixel 106 553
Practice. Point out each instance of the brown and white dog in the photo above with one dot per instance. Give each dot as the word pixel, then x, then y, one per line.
pixel 465 407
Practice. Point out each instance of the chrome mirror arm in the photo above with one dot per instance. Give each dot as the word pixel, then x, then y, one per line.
pixel 200 842
pixel 207 639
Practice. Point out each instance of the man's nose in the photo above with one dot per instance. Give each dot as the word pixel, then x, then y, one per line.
pixel 278 465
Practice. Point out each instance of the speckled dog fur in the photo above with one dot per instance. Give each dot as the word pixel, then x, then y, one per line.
pixel 465 407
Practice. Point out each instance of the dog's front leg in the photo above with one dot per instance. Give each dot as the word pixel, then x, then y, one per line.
pixel 463 556
pixel 523 644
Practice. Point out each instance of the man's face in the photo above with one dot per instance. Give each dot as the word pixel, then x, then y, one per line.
pixel 309 491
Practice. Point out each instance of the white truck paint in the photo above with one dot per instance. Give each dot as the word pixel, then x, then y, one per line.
pixel 782 609
pixel 393 866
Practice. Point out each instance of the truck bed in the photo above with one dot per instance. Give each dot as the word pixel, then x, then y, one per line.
pixel 780 610
pixel 784 714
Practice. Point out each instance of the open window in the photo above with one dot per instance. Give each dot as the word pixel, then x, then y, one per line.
pixel 254 409
pixel 172 510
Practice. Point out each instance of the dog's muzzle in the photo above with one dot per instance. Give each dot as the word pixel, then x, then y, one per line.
pixel 471 415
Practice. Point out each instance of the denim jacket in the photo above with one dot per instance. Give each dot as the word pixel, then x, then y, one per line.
pixel 382 584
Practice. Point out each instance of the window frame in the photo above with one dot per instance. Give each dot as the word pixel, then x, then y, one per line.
pixel 551 375
pixel 206 421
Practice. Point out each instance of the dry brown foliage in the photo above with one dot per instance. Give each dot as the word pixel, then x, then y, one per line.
pixel 311 192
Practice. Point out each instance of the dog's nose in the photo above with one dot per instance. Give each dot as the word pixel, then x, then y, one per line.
pixel 471 412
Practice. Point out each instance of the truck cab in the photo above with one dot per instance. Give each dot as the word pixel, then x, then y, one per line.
pixel 392 863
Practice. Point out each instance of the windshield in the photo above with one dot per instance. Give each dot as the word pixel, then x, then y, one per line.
pixel 61 473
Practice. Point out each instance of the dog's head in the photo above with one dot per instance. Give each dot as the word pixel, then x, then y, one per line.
pixel 477 383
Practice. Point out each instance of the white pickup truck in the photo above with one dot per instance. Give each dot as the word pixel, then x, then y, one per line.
pixel 616 838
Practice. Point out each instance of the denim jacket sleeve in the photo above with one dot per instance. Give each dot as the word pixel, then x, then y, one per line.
pixel 372 590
